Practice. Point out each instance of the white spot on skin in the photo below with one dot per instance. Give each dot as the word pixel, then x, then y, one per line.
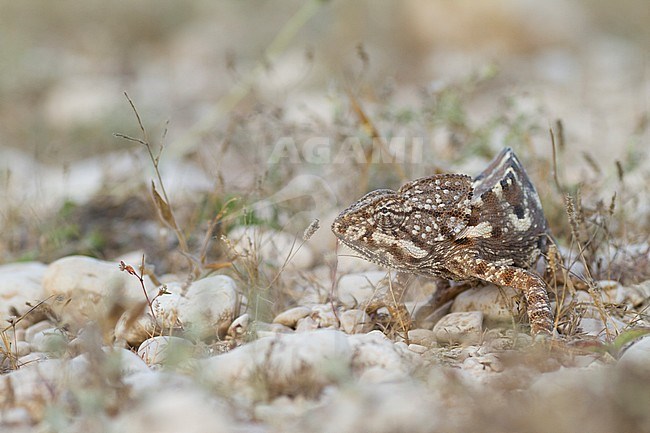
pixel 413 250
pixel 523 224
pixel 482 230
pixel 498 190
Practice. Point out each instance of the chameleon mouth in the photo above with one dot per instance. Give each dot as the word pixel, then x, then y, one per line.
pixel 363 252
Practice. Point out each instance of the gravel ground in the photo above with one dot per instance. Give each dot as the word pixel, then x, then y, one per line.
pixel 244 316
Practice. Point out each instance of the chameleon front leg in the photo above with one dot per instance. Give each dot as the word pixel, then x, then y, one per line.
pixel 393 300
pixel 532 286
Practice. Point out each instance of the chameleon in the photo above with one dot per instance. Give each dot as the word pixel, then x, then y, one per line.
pixel 490 228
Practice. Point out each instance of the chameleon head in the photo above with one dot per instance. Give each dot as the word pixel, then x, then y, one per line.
pixel 401 229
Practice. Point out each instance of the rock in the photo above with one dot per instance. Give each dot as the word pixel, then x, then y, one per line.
pixel 488 362
pixel 135 331
pixel 462 327
pixel 403 406
pixel 277 249
pixel 22 348
pixel 263 329
pixel 208 308
pixel 148 382
pixel 20 283
pixel 358 289
pixel 606 292
pixel 283 411
pixel 33 358
pixel 93 288
pixel 583 361
pixel 426 316
pixel 51 341
pixel 572 261
pixel 188 410
pixel 110 359
pixel 239 326
pixel 417 348
pixel 306 324
pixel 377 359
pixel 500 344
pixel 79 273
pixel 564 385
pixel 611 291
pixel 637 356
pixel 37 328
pixel 34 381
pixel 424 337
pixel 355 321
pixel 596 327
pixel 496 303
pixel 638 294
pixel 173 310
pixel 301 363
pixel 165 350
pixel 167 306
pixel 306 293
pixel 324 316
pixel 291 316
pixel 16 416
pixel 129 362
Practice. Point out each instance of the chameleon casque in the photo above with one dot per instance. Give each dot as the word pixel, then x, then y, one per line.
pixel 450 226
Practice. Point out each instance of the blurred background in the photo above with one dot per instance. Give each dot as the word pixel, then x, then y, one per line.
pixel 231 78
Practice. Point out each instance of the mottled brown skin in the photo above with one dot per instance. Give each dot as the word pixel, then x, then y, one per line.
pixel 491 228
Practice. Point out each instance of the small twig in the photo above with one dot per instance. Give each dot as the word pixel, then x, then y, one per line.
pixel 559 125
pixel 292 253
pixel 162 204
pixel 209 233
pixel 15 322
pixel 369 127
pixel 128 268
pixel 555 177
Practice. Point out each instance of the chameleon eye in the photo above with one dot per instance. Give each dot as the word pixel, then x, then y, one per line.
pixel 389 215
